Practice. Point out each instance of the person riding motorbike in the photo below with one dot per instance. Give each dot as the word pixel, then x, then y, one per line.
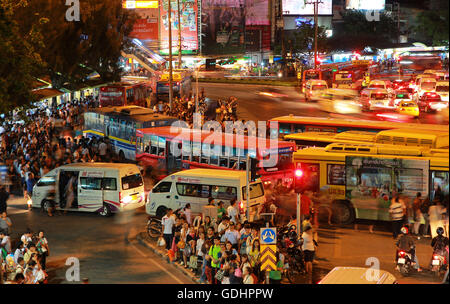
pixel 440 243
pixel 406 243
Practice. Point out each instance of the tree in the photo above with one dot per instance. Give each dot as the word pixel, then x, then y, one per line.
pixel 301 40
pixel 433 25
pixel 19 60
pixel 356 31
pixel 75 49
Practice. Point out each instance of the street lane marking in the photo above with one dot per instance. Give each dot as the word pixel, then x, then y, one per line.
pixel 159 266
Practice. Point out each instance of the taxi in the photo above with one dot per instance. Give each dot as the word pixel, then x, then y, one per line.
pixel 408 108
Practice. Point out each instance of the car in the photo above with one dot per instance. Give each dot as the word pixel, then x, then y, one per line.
pixel 401 95
pixel 408 108
pixel 272 93
pixel 431 101
pixel 442 90
pixel 342 101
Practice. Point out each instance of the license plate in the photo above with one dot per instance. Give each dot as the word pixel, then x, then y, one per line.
pixel 436 263
pixel 401 261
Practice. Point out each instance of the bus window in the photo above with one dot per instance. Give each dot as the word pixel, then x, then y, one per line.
pixel 335 174
pixel 256 190
pixel 193 190
pixel 223 192
pixel 285 128
pixel 214 160
pixel 439 179
pixel 233 163
pixel 162 187
pixel 242 164
pixel 223 162
pixel 409 180
pixel 186 150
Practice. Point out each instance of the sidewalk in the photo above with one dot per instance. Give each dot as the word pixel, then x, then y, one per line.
pixel 146 241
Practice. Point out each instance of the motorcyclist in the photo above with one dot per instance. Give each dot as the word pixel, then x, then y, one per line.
pixel 440 243
pixel 406 243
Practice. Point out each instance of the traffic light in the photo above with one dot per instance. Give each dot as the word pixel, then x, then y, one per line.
pixel 299 180
pixel 253 169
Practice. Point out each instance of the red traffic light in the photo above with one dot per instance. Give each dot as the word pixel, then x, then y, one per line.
pixel 298 173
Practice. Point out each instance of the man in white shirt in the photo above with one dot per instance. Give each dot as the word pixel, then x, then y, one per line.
pixel 232 235
pixel 223 226
pixel 167 224
pixel 102 147
pixel 5 242
pixel 232 211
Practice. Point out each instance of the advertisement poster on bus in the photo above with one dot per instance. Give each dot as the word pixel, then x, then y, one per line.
pixel 371 183
pixel 189 32
pixel 223 26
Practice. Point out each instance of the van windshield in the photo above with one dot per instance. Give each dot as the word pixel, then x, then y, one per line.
pixel 256 190
pixel 132 181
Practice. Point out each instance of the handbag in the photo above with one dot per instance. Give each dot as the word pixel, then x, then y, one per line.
pixel 193 261
pixel 219 275
pixel 161 242
pixel 181 245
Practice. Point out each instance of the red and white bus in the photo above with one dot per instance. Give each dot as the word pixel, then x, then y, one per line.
pixel 155 147
pixel 125 93
pixel 310 74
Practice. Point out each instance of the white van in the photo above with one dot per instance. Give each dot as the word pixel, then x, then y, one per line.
pixel 314 88
pixel 98 187
pixel 372 99
pixel 341 101
pixel 195 186
pixel 425 85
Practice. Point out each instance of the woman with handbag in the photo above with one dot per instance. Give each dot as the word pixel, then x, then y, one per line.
pixel 42 248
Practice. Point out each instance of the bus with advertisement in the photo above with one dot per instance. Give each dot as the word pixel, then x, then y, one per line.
pixel 310 74
pixel 156 148
pixel 126 93
pixel 358 181
pixel 119 125
pixel 401 137
pixel 181 83
pixel 299 124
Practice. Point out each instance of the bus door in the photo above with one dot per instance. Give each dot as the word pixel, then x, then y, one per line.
pixel 173 159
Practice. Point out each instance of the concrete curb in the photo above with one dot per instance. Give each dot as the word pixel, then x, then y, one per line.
pixel 142 240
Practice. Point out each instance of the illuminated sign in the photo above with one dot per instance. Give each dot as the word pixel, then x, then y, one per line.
pixel 131 4
pixel 298 7
pixel 365 4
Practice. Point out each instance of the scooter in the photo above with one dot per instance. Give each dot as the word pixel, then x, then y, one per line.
pixel 404 262
pixel 439 264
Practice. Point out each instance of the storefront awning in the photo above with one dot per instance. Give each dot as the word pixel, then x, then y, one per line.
pixel 43 94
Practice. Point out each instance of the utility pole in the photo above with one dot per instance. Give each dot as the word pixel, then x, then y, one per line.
pixel 316 13
pixel 179 34
pixel 170 55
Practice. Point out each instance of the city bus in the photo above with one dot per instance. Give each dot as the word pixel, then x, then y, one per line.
pixel 299 124
pixel 404 137
pixel 231 153
pixel 126 93
pixel 358 181
pixel 346 79
pixel 309 75
pixel 181 83
pixel 119 125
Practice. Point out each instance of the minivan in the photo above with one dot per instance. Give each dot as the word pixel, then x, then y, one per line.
pixel 195 186
pixel 314 88
pixel 104 188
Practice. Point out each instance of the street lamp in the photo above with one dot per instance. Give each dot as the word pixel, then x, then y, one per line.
pixel 169 9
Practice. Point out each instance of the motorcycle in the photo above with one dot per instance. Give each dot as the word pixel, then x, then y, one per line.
pixel 154 225
pixel 439 264
pixel 294 263
pixel 404 262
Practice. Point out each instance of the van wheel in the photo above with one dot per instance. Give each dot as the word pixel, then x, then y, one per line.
pixel 121 156
pixel 343 213
pixel 161 211
pixel 105 211
pixel 46 205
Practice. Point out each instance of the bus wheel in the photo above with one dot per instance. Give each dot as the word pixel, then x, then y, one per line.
pixel 46 205
pixel 105 211
pixel 343 213
pixel 161 211
pixel 121 156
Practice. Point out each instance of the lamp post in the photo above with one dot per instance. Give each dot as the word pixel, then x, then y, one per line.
pixel 179 34
pixel 316 12
pixel 170 54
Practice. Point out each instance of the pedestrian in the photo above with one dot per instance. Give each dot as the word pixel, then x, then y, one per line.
pixel 5 223
pixel 221 211
pixel 232 212
pixel 397 211
pixel 275 275
pixel 215 258
pixel 418 216
pixel 248 276
pixel 308 248
pixel 232 235
pixel 4 195
pixel 188 214
pixel 69 190
pixel 167 227
pixel 42 248
pixel 424 208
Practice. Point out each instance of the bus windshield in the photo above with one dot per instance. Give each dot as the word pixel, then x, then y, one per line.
pixel 256 190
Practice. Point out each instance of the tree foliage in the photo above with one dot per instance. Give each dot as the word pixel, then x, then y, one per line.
pixel 433 26
pixel 356 31
pixel 302 39
pixel 19 59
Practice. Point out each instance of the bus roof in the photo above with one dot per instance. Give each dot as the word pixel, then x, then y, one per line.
pixel 369 124
pixel 240 141
pixel 217 173
pixel 132 112
pixel 347 136
pixel 98 165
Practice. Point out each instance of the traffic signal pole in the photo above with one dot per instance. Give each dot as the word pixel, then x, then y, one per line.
pixel 248 188
pixel 299 202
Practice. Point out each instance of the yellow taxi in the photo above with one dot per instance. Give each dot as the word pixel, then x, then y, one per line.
pixel 408 108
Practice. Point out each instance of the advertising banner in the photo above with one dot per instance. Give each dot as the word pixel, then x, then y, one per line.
pixel 298 7
pixel 371 183
pixel 145 29
pixel 189 32
pixel 223 26
pixel 257 12
pixel 365 4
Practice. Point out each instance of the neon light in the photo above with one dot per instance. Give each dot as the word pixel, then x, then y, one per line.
pixel 130 4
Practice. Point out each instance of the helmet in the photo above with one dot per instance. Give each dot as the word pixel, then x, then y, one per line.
pixel 440 231
pixel 404 230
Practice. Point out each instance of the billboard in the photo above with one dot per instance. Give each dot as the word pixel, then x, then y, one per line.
pixel 189 32
pixel 224 24
pixel 257 12
pixel 145 29
pixel 132 4
pixel 365 4
pixel 372 182
pixel 298 7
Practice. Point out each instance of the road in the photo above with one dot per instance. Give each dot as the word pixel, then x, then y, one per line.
pixel 98 244
pixel 252 106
